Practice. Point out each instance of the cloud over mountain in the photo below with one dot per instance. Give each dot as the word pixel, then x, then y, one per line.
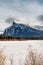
pixel 40 18
pixel 9 20
pixel 27 10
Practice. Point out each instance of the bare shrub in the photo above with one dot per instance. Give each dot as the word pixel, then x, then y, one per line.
pixel 33 58
pixel 39 59
pixel 12 60
pixel 2 57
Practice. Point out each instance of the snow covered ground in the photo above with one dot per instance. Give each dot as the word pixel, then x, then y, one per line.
pixel 19 49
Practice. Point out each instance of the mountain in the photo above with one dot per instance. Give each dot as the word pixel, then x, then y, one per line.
pixel 21 30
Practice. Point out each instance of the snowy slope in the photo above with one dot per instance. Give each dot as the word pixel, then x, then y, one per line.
pixel 21 30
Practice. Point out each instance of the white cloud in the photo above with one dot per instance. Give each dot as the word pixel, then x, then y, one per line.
pixel 27 12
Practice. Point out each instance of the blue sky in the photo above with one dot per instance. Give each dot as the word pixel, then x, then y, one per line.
pixel 27 11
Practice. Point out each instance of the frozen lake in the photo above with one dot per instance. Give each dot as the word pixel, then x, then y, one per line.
pixel 19 49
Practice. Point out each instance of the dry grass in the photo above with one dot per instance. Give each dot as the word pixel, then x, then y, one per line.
pixel 2 57
pixel 12 60
pixel 33 58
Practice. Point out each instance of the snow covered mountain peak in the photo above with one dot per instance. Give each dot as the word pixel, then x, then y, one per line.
pixel 21 30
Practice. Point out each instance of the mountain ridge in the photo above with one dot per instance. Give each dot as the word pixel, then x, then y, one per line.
pixel 22 30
